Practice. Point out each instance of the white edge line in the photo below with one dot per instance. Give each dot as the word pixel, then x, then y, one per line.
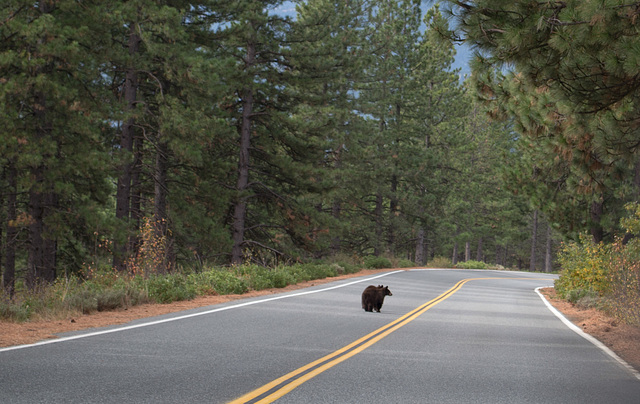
pixel 168 320
pixel 586 336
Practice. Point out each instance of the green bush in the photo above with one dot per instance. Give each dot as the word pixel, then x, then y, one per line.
pixel 350 264
pixel 440 262
pixel 302 272
pixel 13 311
pixel 84 301
pixel 259 278
pixel 335 269
pixel 624 271
pixel 349 268
pixel 584 267
pixel 373 262
pixel 581 295
pixel 170 288
pixel 221 282
pixel 317 271
pixel 405 263
pixel 109 290
pixel 471 264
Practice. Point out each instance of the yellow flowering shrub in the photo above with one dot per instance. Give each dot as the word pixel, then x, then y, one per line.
pixel 584 267
pixel 624 271
pixel 610 271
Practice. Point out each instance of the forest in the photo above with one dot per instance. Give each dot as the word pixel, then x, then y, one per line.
pixel 166 136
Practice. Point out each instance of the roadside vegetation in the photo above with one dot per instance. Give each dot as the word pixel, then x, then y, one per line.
pixel 106 289
pixel 605 275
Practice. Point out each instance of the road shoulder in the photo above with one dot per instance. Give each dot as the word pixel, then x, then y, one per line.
pixel 622 339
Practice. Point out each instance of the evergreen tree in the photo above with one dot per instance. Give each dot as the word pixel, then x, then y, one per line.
pixel 327 52
pixel 392 40
pixel 166 78
pixel 276 160
pixel 435 116
pixel 573 89
pixel 52 138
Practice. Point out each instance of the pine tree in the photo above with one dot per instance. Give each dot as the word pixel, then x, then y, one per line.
pixel 326 55
pixel 394 34
pixel 162 75
pixel 52 139
pixel 572 89
pixel 435 114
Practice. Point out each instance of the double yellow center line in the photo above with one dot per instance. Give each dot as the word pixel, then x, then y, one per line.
pixel 283 385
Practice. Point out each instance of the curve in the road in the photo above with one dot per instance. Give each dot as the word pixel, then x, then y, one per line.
pixel 285 384
pixel 588 337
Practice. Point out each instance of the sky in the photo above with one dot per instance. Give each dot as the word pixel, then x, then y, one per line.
pixel 463 53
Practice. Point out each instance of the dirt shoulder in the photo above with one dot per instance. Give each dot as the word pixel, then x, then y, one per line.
pixel 623 339
pixel 41 329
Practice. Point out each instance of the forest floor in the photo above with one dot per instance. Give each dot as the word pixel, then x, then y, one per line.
pixel 623 339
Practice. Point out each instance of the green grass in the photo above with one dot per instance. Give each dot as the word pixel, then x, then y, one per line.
pixel 109 290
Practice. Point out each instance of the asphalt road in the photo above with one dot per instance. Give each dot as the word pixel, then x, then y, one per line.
pixel 437 340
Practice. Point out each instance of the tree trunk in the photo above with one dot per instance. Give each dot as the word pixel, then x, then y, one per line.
pixel 597 232
pixel 160 207
pixel 393 211
pixel 393 199
pixel 135 205
pixel 42 251
pixel 636 180
pixel 50 245
pixel 534 239
pixel 12 233
pixel 467 251
pixel 479 252
pixel 420 258
pixel 379 228
pixel 336 205
pixel 547 256
pixel 2 248
pixel 454 258
pixel 123 192
pixel 335 240
pixel 41 260
pixel 240 209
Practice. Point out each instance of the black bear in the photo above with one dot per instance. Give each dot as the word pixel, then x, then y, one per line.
pixel 373 296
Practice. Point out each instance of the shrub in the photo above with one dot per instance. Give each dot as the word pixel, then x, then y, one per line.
pixel 13 311
pixel 221 282
pixel 259 278
pixel 373 262
pixel 349 263
pixel 170 288
pixel 84 300
pixel 405 263
pixel 440 262
pixel 624 271
pixel 581 295
pixel 584 267
pixel 471 264
pixel 336 269
pixel 320 271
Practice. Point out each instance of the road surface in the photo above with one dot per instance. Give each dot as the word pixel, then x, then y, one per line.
pixel 445 336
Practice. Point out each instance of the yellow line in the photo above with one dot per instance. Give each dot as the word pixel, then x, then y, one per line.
pixel 316 367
